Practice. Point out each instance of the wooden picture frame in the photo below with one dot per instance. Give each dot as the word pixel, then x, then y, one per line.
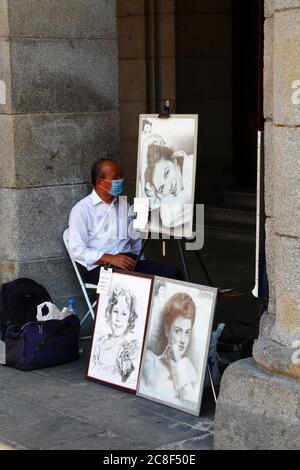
pixel 176 348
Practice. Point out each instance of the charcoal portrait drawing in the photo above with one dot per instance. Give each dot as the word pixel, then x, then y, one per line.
pixel 166 170
pixel 116 351
pixel 175 355
pixel 119 331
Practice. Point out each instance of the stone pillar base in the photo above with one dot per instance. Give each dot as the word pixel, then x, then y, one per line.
pixel 257 410
pixel 275 357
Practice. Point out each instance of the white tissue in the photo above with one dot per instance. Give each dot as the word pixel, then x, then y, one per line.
pixel 141 207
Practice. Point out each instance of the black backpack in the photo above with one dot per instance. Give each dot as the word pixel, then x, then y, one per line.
pixel 18 302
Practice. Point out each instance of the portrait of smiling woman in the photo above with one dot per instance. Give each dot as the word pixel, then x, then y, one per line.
pixel 167 169
pixel 167 185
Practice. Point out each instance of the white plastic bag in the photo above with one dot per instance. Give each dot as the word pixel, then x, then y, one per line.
pixel 48 311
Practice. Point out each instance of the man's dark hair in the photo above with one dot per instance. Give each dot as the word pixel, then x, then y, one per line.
pixel 97 170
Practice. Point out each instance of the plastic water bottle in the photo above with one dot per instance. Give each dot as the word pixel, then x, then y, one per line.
pixel 213 358
pixel 2 353
pixel 71 306
pixel 71 311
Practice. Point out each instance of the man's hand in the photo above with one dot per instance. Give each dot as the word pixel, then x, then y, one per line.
pixel 118 261
pixel 123 262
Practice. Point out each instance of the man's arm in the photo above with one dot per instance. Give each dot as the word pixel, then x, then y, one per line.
pixel 78 240
pixel 89 257
pixel 136 241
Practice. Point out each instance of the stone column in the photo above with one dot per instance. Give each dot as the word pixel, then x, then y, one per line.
pixel 274 348
pixel 259 403
pixel 59 112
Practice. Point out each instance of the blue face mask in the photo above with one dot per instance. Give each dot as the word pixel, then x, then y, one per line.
pixel 117 187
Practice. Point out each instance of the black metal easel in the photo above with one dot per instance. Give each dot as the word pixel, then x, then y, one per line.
pixel 165 114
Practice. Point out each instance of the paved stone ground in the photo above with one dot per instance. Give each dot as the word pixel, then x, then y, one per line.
pixel 230 263
pixel 58 408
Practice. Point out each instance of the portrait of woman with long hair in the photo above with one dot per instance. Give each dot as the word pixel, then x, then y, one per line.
pixel 166 168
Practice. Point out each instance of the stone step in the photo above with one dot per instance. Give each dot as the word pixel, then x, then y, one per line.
pixel 224 233
pixel 240 199
pixel 224 223
pixel 222 214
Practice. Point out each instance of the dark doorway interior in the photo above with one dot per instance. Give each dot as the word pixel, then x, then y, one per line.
pixel 219 50
pixel 247 88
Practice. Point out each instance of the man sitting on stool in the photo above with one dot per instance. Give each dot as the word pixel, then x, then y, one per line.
pixel 99 231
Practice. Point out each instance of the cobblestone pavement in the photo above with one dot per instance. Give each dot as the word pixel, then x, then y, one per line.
pixel 58 408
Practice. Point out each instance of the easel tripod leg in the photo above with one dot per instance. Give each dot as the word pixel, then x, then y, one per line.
pixel 183 259
pixel 212 384
pixel 142 250
pixel 204 268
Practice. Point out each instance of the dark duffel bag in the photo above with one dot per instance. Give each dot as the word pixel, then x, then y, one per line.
pixel 18 302
pixel 42 344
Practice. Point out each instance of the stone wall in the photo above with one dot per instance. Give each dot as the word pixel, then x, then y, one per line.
pixel 282 131
pixel 59 112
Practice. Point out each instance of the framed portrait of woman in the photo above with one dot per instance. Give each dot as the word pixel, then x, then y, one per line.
pixel 176 348
pixel 166 172
pixel 119 331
